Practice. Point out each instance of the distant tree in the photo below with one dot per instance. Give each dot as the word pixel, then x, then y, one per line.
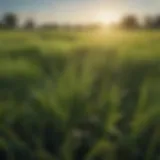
pixel 10 20
pixel 149 22
pixel 157 22
pixel 29 24
pixel 1 25
pixel 130 22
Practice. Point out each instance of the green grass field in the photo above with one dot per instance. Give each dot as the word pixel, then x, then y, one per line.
pixel 67 95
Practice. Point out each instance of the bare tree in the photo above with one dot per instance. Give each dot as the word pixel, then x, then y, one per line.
pixel 29 24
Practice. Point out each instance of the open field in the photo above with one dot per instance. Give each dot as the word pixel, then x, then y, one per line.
pixel 67 95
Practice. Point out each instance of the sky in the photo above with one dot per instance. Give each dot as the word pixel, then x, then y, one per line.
pixel 78 11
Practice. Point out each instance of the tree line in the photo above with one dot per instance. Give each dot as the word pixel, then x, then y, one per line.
pixel 148 22
pixel 10 21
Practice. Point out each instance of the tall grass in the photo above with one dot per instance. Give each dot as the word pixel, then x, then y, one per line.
pixel 97 99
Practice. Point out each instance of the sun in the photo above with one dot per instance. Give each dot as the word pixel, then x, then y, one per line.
pixel 107 17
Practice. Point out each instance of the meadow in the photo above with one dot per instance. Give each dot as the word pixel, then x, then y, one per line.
pixel 80 95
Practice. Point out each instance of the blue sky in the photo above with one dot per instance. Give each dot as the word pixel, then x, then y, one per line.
pixel 76 11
